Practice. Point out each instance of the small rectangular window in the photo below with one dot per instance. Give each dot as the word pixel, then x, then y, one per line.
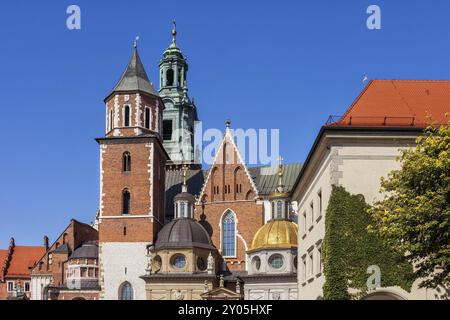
pixel 305 227
pixel 10 286
pixel 311 208
pixel 167 130
pixel 319 260
pixel 304 269
pixel 27 287
pixel 311 264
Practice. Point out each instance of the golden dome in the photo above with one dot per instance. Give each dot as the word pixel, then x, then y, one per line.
pixel 276 234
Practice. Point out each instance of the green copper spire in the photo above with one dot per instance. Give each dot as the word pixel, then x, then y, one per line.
pixel 180 112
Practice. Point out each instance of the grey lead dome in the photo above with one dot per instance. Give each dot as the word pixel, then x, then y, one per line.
pixel 183 233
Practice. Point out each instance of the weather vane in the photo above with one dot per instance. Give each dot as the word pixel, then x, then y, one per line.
pixel 136 39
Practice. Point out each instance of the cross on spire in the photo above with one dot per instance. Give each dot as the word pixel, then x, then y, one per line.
pixel 174 33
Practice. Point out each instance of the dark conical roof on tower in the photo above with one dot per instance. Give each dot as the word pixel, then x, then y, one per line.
pixel 134 78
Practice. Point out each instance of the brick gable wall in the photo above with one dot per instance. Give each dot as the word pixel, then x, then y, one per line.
pixel 229 187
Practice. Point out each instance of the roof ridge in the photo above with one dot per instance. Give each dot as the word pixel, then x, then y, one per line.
pixel 411 80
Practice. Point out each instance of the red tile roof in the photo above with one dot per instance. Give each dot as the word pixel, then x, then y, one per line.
pixel 23 259
pixel 399 103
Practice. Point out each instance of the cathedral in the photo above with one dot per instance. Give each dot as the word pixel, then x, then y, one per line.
pixel 167 229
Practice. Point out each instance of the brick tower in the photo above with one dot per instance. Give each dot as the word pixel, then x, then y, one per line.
pixel 132 178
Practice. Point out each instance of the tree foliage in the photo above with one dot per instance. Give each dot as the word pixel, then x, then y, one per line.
pixel 414 217
pixel 349 249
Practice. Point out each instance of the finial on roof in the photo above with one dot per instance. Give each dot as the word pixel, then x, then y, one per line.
pixel 280 186
pixel 228 123
pixel 185 170
pixel 365 78
pixel 136 39
pixel 174 34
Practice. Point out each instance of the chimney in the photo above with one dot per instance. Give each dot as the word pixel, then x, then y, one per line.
pixel 46 243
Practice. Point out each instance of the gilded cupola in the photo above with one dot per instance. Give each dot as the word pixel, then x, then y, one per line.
pixel 276 234
pixel 274 246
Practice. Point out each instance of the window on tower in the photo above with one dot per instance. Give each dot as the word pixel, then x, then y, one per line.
pixel 126 162
pixel 126 197
pixel 110 120
pixel 167 129
pixel 169 77
pixel 147 118
pixel 126 119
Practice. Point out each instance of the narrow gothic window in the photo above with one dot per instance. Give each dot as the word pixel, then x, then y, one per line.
pixel 229 235
pixel 126 196
pixel 126 119
pixel 126 162
pixel 147 118
pixel 126 291
pixel 169 78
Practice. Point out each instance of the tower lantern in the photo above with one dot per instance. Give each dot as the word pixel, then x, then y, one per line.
pixel 279 199
pixel 180 111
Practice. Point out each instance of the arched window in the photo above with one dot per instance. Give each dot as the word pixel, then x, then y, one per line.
pixel 126 291
pixel 169 77
pixel 126 162
pixel 126 196
pixel 183 210
pixel 229 235
pixel 126 117
pixel 147 118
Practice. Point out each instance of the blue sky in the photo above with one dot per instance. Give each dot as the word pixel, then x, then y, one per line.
pixel 264 64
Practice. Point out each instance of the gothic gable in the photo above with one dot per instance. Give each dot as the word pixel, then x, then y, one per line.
pixel 228 178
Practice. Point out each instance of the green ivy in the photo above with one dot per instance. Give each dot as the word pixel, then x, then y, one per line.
pixel 349 249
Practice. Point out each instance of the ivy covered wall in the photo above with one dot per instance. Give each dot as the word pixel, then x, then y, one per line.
pixel 349 249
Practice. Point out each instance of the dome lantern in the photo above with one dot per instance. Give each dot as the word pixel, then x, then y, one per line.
pixel 279 199
pixel 184 201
